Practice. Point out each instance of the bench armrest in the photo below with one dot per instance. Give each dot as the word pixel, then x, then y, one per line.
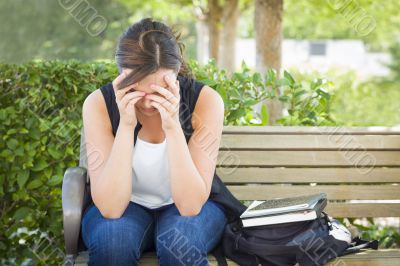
pixel 73 190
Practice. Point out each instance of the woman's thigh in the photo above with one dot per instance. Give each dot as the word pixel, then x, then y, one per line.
pixel 186 240
pixel 117 241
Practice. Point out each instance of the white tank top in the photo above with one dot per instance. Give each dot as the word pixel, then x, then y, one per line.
pixel 151 181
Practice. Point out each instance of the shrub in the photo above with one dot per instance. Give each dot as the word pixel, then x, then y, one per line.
pixel 306 103
pixel 370 102
pixel 40 120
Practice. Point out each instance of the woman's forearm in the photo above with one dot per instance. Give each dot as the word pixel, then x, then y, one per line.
pixel 114 185
pixel 187 186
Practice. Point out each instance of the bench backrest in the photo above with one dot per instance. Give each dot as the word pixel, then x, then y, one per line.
pixel 354 166
pixel 358 168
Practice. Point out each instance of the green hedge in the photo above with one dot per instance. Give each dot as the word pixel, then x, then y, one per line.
pixel 40 121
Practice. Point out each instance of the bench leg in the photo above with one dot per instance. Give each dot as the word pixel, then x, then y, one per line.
pixel 73 189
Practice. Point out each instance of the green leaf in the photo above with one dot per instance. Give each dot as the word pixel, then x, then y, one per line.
pixel 12 144
pixel 257 78
pixel 264 115
pixel 270 76
pixel 1 185
pixel 250 102
pixel 6 154
pixel 11 131
pixel 56 154
pixel 34 184
pixel 55 180
pixel 284 98
pixel 23 131
pixel 288 77
pixel 283 82
pixel 22 178
pixel 39 165
pixel 299 93
pixel 22 213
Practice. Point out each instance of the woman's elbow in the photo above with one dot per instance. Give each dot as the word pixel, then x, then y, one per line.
pixel 111 214
pixel 189 212
pixel 110 211
pixel 189 209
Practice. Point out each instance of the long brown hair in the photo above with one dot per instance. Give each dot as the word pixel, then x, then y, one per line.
pixel 147 46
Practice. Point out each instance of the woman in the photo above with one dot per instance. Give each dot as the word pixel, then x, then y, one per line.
pixel 158 133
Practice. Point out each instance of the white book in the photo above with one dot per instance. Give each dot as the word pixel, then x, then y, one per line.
pixel 282 205
pixel 279 219
pixel 256 213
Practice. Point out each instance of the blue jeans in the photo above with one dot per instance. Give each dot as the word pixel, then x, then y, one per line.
pixel 177 240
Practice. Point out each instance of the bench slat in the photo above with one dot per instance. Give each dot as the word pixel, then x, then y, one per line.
pixel 384 257
pixel 308 175
pixel 314 142
pixel 356 210
pixel 294 130
pixel 340 192
pixel 309 158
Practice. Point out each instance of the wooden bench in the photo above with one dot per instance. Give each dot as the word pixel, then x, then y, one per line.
pixel 354 166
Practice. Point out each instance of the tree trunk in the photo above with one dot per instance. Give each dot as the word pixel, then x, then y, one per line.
pixel 202 41
pixel 228 40
pixel 268 32
pixel 214 24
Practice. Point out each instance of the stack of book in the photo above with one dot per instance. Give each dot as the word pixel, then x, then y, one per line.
pixel 284 210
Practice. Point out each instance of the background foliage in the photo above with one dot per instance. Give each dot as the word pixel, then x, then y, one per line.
pixel 40 120
pixel 43 29
pixel 307 102
pixel 372 102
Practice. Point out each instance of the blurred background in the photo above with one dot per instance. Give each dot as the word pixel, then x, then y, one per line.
pixel 274 62
pixel 353 43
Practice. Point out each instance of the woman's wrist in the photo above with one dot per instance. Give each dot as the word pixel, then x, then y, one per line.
pixel 126 127
pixel 173 129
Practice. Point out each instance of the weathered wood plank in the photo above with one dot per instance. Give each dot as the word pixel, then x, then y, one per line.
pixel 310 142
pixel 356 210
pixel 309 158
pixel 382 257
pixel 308 175
pixel 340 192
pixel 285 130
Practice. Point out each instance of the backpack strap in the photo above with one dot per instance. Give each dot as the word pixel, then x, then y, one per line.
pixel 218 253
pixel 357 244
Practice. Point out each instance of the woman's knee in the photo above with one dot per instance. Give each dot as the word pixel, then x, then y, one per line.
pixel 110 243
pixel 176 245
pixel 188 239
pixel 115 241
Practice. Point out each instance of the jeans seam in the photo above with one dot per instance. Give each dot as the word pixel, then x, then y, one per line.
pixel 156 234
pixel 207 244
pixel 141 241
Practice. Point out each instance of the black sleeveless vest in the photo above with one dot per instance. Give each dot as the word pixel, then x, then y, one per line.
pixel 189 92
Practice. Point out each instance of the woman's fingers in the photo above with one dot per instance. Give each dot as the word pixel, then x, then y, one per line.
pixel 161 109
pixel 129 96
pixel 173 85
pixel 119 94
pixel 167 105
pixel 132 102
pixel 167 94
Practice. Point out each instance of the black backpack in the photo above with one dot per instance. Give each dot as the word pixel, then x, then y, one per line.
pixel 305 242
